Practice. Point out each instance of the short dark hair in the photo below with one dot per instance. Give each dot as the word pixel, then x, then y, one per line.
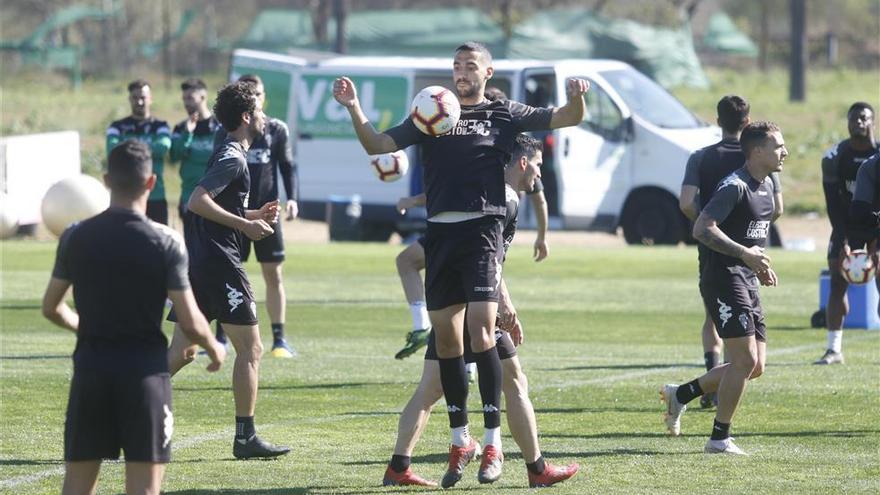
pixel 756 135
pixel 137 84
pixel 733 113
pixel 233 100
pixel 525 146
pixel 858 107
pixel 193 83
pixel 474 46
pixel 251 78
pixel 494 94
pixel 128 167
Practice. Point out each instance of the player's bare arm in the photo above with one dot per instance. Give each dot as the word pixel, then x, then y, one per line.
pixel 706 231
pixel 406 203
pixel 506 310
pixel 539 203
pixel 195 326
pixel 778 206
pixel 201 203
pixel 374 142
pixel 268 212
pixel 572 113
pixel 687 202
pixel 55 309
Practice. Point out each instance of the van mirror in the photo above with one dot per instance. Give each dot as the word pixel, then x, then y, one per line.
pixel 627 130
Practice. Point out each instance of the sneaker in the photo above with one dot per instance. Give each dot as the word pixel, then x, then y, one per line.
pixel 674 410
pixel 256 448
pixel 830 357
pixel 393 478
pixel 709 400
pixel 459 457
pixel 552 475
pixel 490 465
pixel 281 349
pixel 723 447
pixel 415 340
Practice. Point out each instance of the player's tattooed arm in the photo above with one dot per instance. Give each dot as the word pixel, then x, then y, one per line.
pixel 706 231
pixel 374 142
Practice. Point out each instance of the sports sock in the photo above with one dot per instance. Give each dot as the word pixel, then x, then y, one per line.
pixel 720 431
pixel 399 463
pixel 711 359
pixel 221 335
pixel 492 436
pixel 455 390
pixel 278 331
pixel 490 375
pixel 244 428
pixel 420 317
pixel 688 392
pixel 536 467
pixel 835 340
pixel 461 436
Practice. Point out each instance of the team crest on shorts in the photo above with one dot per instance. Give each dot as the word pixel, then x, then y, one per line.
pixel 744 320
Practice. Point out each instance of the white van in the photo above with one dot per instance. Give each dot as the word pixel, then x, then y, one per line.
pixel 621 167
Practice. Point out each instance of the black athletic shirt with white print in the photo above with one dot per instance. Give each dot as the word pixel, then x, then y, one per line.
pixel 464 168
pixel 743 209
pixel 228 182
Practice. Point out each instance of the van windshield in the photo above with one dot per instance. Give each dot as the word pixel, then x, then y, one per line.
pixel 649 101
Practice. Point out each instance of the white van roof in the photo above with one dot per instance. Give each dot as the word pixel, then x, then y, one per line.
pixel 503 65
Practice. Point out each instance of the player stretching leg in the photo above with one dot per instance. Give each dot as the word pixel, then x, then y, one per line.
pixel 220 283
pixel 735 225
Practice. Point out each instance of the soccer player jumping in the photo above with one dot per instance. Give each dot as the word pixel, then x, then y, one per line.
pixel 464 187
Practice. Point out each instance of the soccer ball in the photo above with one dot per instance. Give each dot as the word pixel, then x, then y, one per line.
pixel 857 267
pixel 390 166
pixel 72 200
pixel 435 110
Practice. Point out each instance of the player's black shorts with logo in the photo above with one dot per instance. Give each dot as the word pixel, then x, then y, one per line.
pixel 503 343
pixel 463 261
pixel 223 293
pixel 268 250
pixel 119 400
pixel 733 302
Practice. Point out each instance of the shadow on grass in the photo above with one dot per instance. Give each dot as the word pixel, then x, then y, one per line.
pixel 315 386
pixel 314 490
pixel 625 367
pixel 31 462
pixel 780 434
pixel 19 307
pixel 562 457
pixel 34 357
pixel 581 410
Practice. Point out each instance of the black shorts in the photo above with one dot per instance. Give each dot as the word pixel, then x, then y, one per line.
pixel 223 293
pixel 835 244
pixel 157 211
pixel 733 302
pixel 503 343
pixel 110 411
pixel 268 249
pixel 463 262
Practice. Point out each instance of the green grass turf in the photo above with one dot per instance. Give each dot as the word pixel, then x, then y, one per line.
pixel 604 328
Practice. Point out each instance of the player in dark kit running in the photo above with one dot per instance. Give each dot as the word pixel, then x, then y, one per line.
pixel 464 187
pixel 220 284
pixel 840 165
pixel 269 154
pixel 734 225
pixel 705 169
pixel 142 125
pixel 122 266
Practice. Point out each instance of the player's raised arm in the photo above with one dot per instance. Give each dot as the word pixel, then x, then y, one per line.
pixel 572 113
pixel 374 142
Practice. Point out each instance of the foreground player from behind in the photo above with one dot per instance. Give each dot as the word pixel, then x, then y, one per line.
pixel 863 230
pixel 122 266
pixel 523 171
pixel 464 186
pixel 220 283
pixel 735 225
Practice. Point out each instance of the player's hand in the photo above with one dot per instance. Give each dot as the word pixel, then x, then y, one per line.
pixel 404 204
pixel 344 92
pixel 257 229
pixel 269 212
pixel 506 314
pixel 541 250
pixel 292 209
pixel 516 333
pixel 576 87
pixel 191 122
pixel 217 354
pixel 768 278
pixel 755 258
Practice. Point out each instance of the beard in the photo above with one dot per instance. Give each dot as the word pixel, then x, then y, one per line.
pixel 466 92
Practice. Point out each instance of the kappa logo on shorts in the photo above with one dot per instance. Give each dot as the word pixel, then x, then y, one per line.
pixel 744 320
pixel 489 408
pixel 167 426
pixel 235 297
pixel 453 408
pixel 724 312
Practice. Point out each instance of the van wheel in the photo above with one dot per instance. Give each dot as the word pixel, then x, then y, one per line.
pixel 651 218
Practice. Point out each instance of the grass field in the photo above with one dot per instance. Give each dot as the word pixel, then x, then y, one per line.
pixel 604 328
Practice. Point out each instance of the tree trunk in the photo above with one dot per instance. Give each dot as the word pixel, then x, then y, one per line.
pixel 798 57
pixel 340 12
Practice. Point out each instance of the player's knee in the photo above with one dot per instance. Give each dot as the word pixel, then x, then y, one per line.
pixel 272 274
pixel 747 362
pixel 406 263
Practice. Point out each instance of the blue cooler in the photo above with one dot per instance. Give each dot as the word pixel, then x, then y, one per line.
pixel 862 303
